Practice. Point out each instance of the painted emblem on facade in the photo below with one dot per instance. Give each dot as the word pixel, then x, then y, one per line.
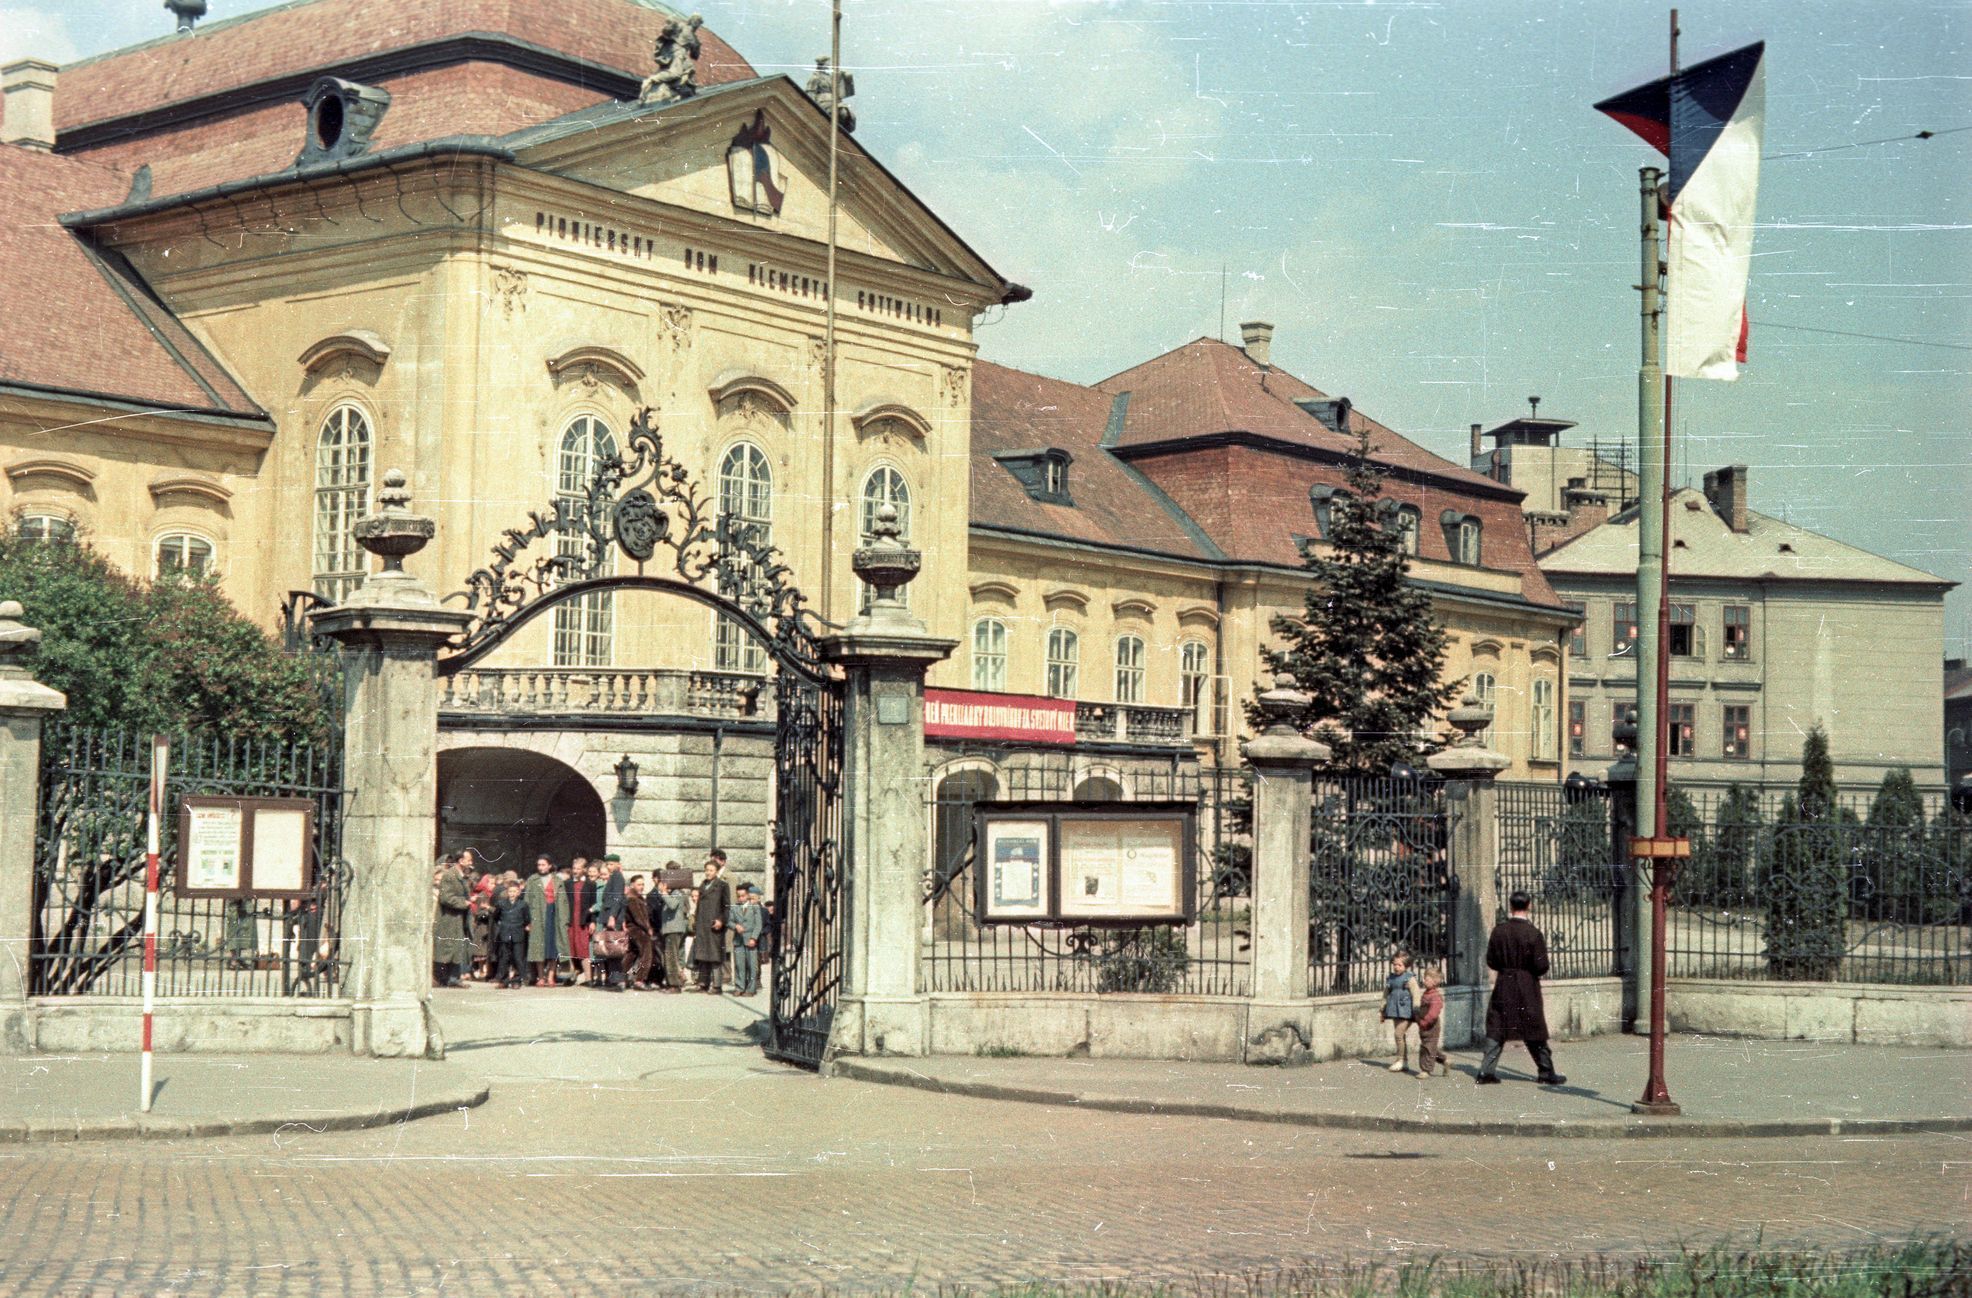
pixel 754 165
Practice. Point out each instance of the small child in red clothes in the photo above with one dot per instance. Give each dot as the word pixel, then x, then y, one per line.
pixel 1431 1024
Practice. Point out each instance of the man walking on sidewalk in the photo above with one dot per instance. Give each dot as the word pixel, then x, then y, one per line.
pixel 1517 955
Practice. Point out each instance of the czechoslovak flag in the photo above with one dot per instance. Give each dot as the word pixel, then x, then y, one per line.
pixel 1707 121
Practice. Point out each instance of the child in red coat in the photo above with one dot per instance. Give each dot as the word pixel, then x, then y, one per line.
pixel 1431 1024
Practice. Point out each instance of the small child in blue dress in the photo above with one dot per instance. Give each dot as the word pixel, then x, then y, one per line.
pixel 1400 998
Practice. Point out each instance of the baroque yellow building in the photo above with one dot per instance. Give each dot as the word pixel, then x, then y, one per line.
pixel 254 266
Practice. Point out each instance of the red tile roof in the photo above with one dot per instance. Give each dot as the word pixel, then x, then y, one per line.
pixel 80 321
pixel 1013 410
pixel 311 35
pixel 1207 386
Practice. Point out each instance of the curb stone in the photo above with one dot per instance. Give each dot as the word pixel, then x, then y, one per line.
pixel 1590 1128
pixel 151 1128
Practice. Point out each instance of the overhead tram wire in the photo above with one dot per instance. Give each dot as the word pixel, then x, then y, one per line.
pixel 1862 144
pixel 1880 338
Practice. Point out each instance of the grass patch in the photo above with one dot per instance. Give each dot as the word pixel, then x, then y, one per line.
pixel 999 1052
pixel 1933 1268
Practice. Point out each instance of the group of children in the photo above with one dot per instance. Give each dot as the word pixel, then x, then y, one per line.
pixel 1415 999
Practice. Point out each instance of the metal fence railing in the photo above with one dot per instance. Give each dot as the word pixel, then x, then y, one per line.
pixel 1873 890
pixel 1210 957
pixel 87 917
pixel 1379 880
pixel 1556 844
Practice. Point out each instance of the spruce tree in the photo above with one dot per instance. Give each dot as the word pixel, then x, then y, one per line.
pixel 1366 649
pixel 1807 884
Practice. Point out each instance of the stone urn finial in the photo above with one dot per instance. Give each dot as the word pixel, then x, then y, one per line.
pixel 1469 718
pixel 394 532
pixel 886 563
pixel 16 638
pixel 1281 705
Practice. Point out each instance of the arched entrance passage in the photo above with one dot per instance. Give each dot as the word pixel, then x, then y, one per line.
pixel 509 805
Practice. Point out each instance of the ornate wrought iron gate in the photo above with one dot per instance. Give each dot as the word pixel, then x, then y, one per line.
pixel 646 505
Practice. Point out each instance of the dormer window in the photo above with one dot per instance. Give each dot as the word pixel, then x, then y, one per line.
pixel 1333 412
pixel 1461 537
pixel 1324 499
pixel 1405 520
pixel 1042 474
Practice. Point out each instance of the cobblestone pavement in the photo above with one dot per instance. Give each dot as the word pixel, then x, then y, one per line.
pixel 713 1171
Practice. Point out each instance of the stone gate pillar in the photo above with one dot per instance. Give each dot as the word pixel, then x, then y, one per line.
pixel 885 653
pixel 390 629
pixel 25 704
pixel 1280 1022
pixel 1472 807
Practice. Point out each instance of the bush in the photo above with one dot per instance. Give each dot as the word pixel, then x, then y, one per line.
pixel 1807 894
pixel 1152 960
pixel 171 656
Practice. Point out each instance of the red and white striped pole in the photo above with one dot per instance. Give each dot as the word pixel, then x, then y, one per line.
pixel 160 758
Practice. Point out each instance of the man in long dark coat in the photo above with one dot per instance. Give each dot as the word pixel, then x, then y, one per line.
pixel 451 937
pixel 709 928
pixel 1517 955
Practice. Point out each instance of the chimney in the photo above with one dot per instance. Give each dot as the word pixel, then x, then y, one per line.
pixel 1257 337
pixel 1476 452
pixel 29 91
pixel 1726 489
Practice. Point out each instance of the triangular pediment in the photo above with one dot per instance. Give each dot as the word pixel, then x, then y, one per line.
pixel 756 153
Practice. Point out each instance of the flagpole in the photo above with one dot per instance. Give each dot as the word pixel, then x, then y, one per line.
pixel 1654 614
pixel 828 326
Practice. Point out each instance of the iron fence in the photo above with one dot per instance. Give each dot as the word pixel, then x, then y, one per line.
pixel 87 920
pixel 1379 880
pixel 1869 890
pixel 1210 957
pixel 1558 846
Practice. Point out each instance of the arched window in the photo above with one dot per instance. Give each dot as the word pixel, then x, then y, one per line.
pixel 1482 688
pixel 584 626
pixel 746 496
pixel 1098 788
pixel 183 554
pixel 989 654
pixel 1064 663
pixel 1194 677
pixel 885 486
pixel 951 837
pixel 1543 720
pixel 1129 669
pixel 45 527
pixel 342 495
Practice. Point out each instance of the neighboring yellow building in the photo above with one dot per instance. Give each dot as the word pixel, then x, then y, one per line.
pixel 296 249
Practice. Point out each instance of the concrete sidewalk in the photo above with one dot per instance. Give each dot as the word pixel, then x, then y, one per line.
pixel 1727 1087
pixel 94 1096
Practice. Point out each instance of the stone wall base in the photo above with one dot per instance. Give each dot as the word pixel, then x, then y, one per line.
pixel 235 1025
pixel 1864 1013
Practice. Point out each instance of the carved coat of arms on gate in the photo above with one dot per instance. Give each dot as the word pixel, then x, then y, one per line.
pixel 753 164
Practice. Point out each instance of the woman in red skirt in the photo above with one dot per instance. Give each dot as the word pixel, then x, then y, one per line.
pixel 582 901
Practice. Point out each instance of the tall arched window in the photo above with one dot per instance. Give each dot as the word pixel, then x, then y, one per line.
pixel 1064 663
pixel 1543 720
pixel 989 654
pixel 1129 669
pixel 342 495
pixel 1482 688
pixel 885 486
pixel 746 496
pixel 1194 676
pixel 584 626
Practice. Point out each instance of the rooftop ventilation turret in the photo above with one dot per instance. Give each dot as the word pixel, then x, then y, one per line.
pixel 188 12
pixel 342 115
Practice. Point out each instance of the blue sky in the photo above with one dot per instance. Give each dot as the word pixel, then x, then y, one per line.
pixel 1420 197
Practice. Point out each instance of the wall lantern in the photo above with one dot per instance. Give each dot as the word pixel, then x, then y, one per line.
pixel 626 777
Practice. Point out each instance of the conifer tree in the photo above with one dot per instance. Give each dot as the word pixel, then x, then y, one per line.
pixel 1366 649
pixel 1807 893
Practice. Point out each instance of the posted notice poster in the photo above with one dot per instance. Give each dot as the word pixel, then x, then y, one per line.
pixel 280 849
pixel 212 847
pixel 1112 869
pixel 1016 856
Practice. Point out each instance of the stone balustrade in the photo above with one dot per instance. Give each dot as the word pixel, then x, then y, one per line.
pixel 587 691
pixel 1130 723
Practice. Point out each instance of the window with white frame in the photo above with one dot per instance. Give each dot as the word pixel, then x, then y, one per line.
pixel 989 654
pixel 585 625
pixel 1064 663
pixel 1461 537
pixel 1194 679
pixel 1543 720
pixel 342 495
pixel 1410 526
pixel 885 486
pixel 45 527
pixel 183 554
pixel 1129 669
pixel 1482 689
pixel 746 496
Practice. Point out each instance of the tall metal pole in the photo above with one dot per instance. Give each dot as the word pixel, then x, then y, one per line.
pixel 828 328
pixel 1650 553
